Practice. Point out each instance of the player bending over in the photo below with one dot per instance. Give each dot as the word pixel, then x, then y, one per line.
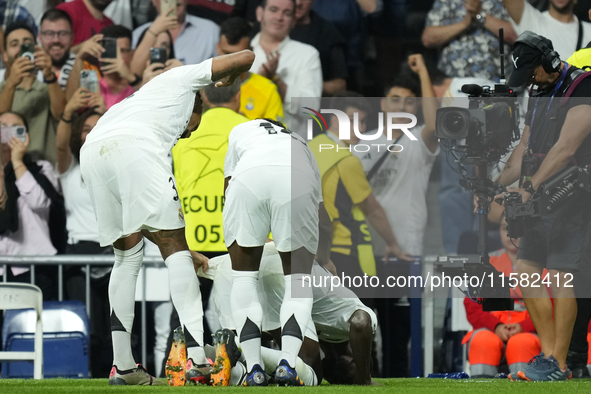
pixel 125 167
pixel 342 324
pixel 265 193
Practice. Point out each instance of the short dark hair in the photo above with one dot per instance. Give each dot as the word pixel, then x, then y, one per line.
pixel 221 95
pixel 407 81
pixel 116 31
pixel 55 15
pixel 17 26
pixel 235 29
pixel 264 3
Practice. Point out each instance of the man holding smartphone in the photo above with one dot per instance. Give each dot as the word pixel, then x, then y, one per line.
pixel 137 135
pixel 41 103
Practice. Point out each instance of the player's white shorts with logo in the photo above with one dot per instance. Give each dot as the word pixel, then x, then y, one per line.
pixel 261 199
pixel 131 187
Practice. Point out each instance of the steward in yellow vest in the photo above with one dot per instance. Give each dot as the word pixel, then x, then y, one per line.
pixel 199 168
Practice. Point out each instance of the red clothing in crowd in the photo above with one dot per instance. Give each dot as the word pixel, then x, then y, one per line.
pixel 84 24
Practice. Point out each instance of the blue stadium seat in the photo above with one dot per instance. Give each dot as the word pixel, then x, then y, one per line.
pixel 65 340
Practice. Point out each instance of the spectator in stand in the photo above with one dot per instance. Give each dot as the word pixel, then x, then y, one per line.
pixel 87 18
pixel 81 222
pixel 567 33
pixel 151 70
pixel 87 58
pixel 30 191
pixel 467 32
pixel 41 103
pixel 258 95
pixel 314 30
pixel 118 81
pixel 11 12
pixel 494 333
pixel 56 37
pixel 194 38
pixel 293 66
pixel 348 16
pixel 156 36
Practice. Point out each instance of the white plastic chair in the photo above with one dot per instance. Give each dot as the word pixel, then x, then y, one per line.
pixel 22 296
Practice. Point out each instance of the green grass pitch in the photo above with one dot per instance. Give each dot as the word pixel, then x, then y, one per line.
pixel 396 386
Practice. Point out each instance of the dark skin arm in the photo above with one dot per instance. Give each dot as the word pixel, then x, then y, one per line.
pixel 360 339
pixel 325 236
pixel 227 68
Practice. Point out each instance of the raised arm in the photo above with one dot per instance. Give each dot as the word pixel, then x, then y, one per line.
pixel 89 48
pixel 64 129
pixel 515 9
pixel 141 55
pixel 430 103
pixel 57 97
pixel 227 68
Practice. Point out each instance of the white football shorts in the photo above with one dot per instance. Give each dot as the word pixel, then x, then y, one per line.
pixel 131 187
pixel 261 199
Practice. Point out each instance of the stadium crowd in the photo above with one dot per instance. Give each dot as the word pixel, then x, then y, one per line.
pixel 65 64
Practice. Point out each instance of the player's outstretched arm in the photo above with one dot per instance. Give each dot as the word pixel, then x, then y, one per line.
pixel 227 68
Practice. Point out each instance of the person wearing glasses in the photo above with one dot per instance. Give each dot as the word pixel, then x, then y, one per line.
pixel 56 37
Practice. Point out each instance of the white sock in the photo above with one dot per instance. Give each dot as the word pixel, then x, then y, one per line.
pixel 295 315
pixel 272 357
pixel 122 300
pixel 186 298
pixel 247 314
pixel 237 374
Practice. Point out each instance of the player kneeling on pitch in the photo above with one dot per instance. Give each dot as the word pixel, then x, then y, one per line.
pixel 125 166
pixel 266 193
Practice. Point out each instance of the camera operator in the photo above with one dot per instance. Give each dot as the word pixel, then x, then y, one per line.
pixel 559 241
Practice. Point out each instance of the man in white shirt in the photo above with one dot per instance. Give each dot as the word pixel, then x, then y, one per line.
pixel 293 66
pixel 567 33
pixel 266 193
pixel 195 38
pixel 399 180
pixel 125 165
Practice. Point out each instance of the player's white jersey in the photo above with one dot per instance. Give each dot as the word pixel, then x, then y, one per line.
pixel 160 110
pixel 261 143
pixel 330 312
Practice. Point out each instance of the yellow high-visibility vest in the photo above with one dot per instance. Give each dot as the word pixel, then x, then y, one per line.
pixel 350 232
pixel 199 172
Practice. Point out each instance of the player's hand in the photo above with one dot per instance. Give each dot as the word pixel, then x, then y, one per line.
pixel 199 261
pixel 394 250
pixel 514 329
pixel 172 63
pixel 503 332
pixel 163 23
pixel 417 64
pixel 269 68
pixel 19 70
pixel 97 102
pixel 18 149
pixel 151 71
pixel 91 48
pixel 80 99
pixel 43 63
pixel 228 81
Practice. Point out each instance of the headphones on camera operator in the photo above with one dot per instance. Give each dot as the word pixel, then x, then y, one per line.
pixel 550 58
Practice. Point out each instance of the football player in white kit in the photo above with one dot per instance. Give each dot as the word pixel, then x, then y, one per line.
pixel 125 166
pixel 266 193
pixel 341 323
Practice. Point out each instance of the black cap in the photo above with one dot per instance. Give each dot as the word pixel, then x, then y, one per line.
pixel 525 59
